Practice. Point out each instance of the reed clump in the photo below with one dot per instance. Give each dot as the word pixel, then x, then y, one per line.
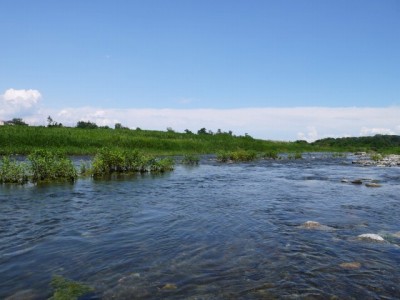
pixel 190 160
pixel 12 171
pixel 108 161
pixel 51 166
pixel 237 156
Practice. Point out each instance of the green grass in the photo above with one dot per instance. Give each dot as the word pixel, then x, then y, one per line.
pixel 48 166
pixel 108 161
pixel 190 160
pixel 12 171
pixel 51 166
pixel 237 156
pixel 79 141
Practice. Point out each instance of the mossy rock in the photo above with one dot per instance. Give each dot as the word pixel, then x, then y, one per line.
pixel 65 289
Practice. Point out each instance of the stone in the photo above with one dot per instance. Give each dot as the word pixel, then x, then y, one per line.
pixel 372 237
pixel 350 265
pixel 373 184
pixel 356 181
pixel 169 286
pixel 311 224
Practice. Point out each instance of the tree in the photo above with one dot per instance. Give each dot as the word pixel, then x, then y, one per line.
pixel 86 125
pixel 16 121
pixel 52 123
pixel 188 131
pixel 202 131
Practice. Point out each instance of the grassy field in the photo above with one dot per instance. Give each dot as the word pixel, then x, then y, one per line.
pixel 77 141
pixel 80 141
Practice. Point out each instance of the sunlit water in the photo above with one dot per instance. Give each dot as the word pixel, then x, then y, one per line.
pixel 216 231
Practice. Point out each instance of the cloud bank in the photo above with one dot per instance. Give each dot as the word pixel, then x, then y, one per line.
pixel 306 123
pixel 19 102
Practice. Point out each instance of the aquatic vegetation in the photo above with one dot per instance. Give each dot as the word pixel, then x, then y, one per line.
pixel 109 161
pixel 12 171
pixel 50 166
pixel 190 159
pixel 296 155
pixel 376 157
pixel 161 165
pixel 237 156
pixel 270 155
pixel 65 289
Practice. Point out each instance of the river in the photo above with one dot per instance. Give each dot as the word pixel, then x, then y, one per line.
pixel 215 231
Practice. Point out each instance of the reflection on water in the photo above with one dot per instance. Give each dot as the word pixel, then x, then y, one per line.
pixel 213 231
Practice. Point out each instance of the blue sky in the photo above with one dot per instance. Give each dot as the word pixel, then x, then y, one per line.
pixel 201 54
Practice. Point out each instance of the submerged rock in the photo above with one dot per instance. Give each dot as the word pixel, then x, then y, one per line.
pixel 372 237
pixel 311 224
pixel 356 181
pixel 373 184
pixel 350 265
pixel 386 161
pixel 169 286
pixel 24 295
pixel 397 234
pixel 314 225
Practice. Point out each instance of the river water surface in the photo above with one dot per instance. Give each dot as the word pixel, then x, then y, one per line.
pixel 216 231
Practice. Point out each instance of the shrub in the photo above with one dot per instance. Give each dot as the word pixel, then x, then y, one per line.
pixel 161 165
pixel 239 155
pixel 190 159
pixel 46 165
pixel 12 171
pixel 297 155
pixel 376 157
pixel 223 156
pixel 109 161
pixel 270 155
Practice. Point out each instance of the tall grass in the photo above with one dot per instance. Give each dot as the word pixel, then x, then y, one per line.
pixel 109 161
pixel 50 166
pixel 237 156
pixel 77 141
pixel 12 171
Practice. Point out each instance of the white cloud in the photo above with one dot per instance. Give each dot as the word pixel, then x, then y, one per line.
pixel 373 131
pixel 18 103
pixel 308 123
pixel 311 135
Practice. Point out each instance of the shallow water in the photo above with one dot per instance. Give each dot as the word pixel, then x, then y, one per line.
pixel 215 231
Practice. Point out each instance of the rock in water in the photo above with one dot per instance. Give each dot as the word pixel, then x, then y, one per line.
pixel 373 184
pixel 357 181
pixel 311 225
pixel 169 286
pixel 350 265
pixel 372 237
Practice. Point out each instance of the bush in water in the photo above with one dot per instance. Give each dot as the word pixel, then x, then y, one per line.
pixel 190 159
pixel 109 161
pixel 12 171
pixel 48 166
pixel 239 155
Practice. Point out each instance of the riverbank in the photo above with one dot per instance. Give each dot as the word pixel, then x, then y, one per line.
pixel 24 140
